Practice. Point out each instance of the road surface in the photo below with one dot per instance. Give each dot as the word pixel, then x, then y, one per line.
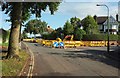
pixel 85 61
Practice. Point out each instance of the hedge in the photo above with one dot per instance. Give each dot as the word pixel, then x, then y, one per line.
pixel 100 37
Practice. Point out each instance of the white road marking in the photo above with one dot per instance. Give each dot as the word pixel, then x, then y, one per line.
pixel 31 63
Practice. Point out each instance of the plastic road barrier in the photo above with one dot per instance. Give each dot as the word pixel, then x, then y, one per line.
pixel 61 44
pixel 55 44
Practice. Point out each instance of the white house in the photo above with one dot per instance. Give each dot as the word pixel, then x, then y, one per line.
pixel 103 26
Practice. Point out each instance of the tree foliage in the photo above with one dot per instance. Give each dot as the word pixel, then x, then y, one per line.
pixel 68 28
pixel 89 25
pixel 36 26
pixel 78 34
pixel 20 12
pixel 71 26
pixel 29 8
pixel 24 35
pixel 75 22
pixel 59 32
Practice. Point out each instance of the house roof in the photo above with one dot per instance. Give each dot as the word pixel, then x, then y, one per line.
pixel 101 20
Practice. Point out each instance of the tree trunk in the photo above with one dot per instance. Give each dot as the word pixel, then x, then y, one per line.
pixel 13 48
pixel 20 34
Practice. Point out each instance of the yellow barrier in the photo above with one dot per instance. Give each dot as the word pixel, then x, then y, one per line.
pixel 28 40
pixel 41 42
pixel 78 43
pixel 48 43
pixel 69 43
pixel 86 43
pixel 52 42
pixel 94 43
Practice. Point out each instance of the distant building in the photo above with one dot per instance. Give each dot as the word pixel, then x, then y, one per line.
pixel 49 29
pixel 103 26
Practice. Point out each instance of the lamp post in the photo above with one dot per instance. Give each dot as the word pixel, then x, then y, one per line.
pixel 108 46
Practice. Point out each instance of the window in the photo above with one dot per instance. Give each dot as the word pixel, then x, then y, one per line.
pixel 114 27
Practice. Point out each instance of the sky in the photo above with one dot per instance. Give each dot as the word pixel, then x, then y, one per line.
pixel 68 9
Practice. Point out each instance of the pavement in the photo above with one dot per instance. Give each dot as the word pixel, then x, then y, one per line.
pixel 85 61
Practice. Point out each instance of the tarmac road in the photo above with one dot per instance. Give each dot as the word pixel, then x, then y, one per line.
pixel 85 61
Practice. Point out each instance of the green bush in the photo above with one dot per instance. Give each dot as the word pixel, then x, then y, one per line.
pixel 78 34
pixel 114 37
pixel 118 37
pixel 52 36
pixel 97 37
pixel 45 36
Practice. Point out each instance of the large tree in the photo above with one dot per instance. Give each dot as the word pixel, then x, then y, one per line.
pixel 59 32
pixel 17 11
pixel 75 22
pixel 89 25
pixel 36 26
pixel 68 28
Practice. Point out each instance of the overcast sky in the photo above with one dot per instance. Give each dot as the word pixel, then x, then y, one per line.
pixel 68 9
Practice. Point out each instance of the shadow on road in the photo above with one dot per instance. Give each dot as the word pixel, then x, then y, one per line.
pixel 95 55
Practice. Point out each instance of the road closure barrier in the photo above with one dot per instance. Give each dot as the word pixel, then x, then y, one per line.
pixel 70 44
pixel 28 40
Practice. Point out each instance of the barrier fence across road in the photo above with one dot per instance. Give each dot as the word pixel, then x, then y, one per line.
pixel 71 44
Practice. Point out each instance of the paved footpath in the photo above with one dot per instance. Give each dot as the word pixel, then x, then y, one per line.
pixel 72 62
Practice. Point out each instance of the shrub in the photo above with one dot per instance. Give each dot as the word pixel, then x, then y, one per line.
pixel 118 37
pixel 114 37
pixel 78 34
pixel 99 37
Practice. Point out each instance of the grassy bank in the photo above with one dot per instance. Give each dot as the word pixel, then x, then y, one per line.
pixel 12 67
pixel 3 44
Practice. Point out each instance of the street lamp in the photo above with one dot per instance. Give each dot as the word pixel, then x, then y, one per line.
pixel 108 46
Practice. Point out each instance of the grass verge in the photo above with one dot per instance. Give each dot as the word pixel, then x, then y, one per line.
pixel 3 44
pixel 12 67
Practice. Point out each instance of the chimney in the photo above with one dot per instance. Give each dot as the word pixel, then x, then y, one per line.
pixel 95 17
pixel 116 17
